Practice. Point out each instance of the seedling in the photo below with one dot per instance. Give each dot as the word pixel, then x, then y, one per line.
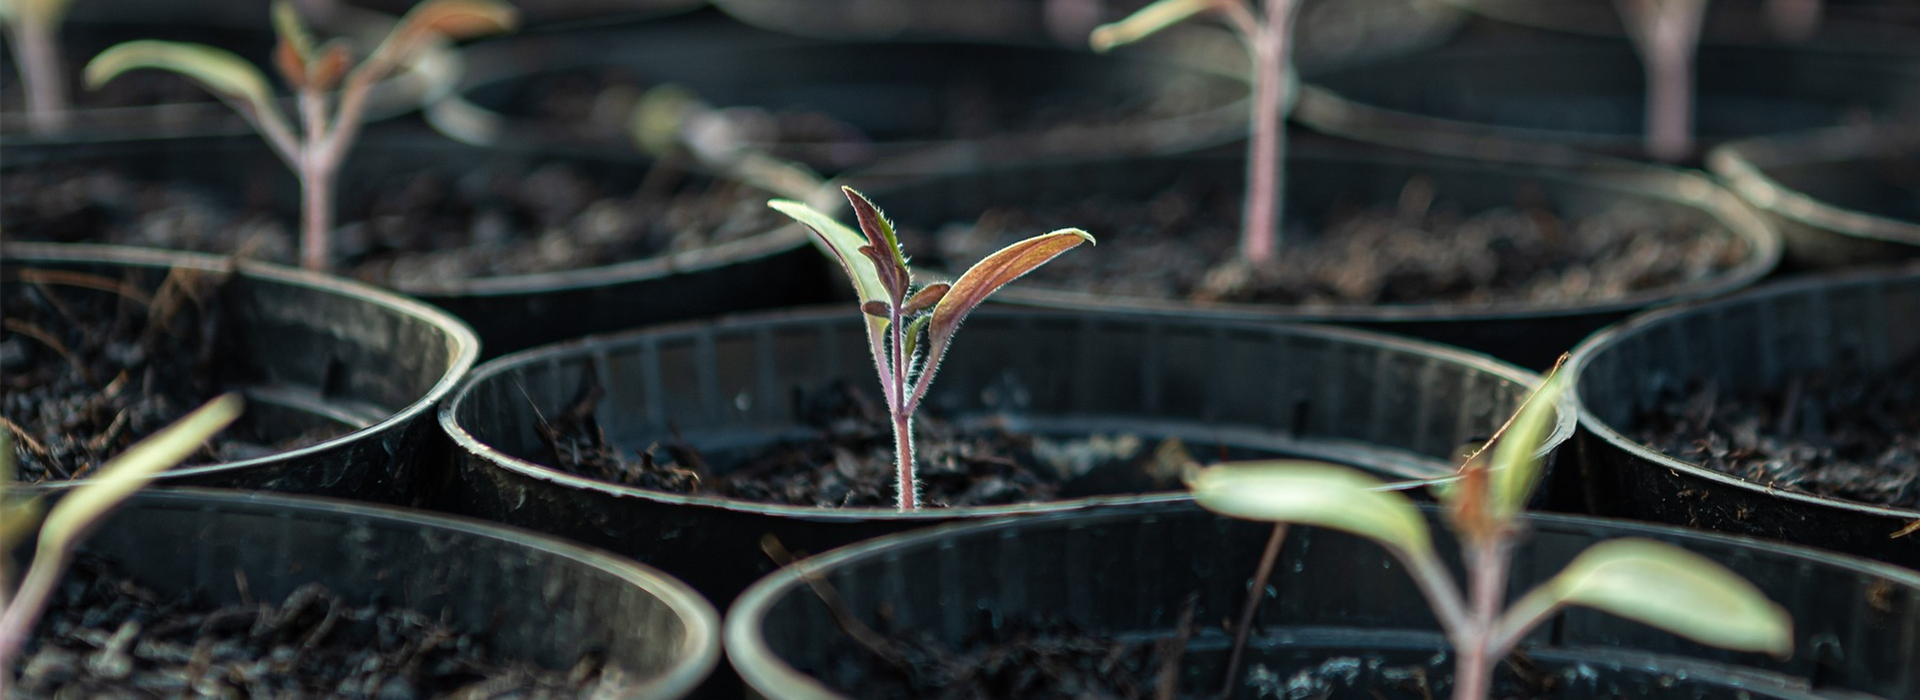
pixel 76 515
pixel 1794 20
pixel 1643 580
pixel 33 28
pixel 327 129
pixel 1268 35
pixel 909 329
pixel 1666 34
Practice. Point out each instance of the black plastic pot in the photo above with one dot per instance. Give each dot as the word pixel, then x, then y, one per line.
pixel 1890 24
pixel 1322 182
pixel 308 351
pixel 939 102
pixel 1841 197
pixel 1329 32
pixel 1394 406
pixel 1590 95
pixel 527 597
pixel 769 269
pixel 1335 604
pixel 1747 342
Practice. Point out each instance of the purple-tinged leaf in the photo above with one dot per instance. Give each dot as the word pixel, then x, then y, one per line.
pixel 876 309
pixel 925 298
pixel 994 272
pixel 880 235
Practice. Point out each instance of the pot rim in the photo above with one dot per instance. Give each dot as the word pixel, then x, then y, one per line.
pixel 1602 341
pixel 597 344
pixel 464 347
pixel 1744 164
pixel 1668 185
pixel 699 650
pixel 759 666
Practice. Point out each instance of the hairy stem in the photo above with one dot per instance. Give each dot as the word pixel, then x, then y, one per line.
pixel 1266 151
pixel 316 172
pixel 36 43
pixel 902 413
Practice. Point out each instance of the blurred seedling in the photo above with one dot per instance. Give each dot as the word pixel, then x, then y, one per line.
pixel 1651 582
pixel 74 516
pixel 33 30
pixel 329 120
pixel 909 329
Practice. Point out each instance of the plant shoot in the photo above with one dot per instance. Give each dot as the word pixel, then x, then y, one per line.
pixel 1666 34
pixel 78 512
pixel 33 28
pixel 1268 35
pixel 1642 580
pixel 329 122
pixel 909 328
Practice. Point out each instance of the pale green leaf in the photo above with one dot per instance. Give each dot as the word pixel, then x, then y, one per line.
pixel 842 243
pixel 1675 590
pixel 1516 459
pixel 1148 21
pixel 121 476
pixel 1314 493
pixel 218 70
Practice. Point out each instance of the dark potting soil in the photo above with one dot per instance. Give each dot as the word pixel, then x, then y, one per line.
pixel 1843 433
pixel 849 462
pixel 91 364
pixel 416 231
pixel 108 636
pixel 1171 246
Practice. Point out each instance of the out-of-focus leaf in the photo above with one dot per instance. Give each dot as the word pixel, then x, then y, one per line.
pixel 1314 493
pixel 1676 590
pixel 121 476
pixel 1516 462
pixel 1148 21
pixel 218 70
pixel 994 272
pixel 292 31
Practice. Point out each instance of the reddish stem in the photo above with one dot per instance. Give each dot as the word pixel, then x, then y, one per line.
pixel 37 48
pixel 1266 152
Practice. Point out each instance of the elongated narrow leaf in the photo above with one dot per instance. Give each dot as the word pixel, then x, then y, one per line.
pixel 1148 21
pixel 842 243
pixel 889 260
pixel 1675 590
pixel 998 269
pixel 218 70
pixel 133 469
pixel 457 19
pixel 1516 460
pixel 1313 493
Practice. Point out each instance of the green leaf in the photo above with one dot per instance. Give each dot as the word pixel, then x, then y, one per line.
pixel 286 23
pixel 1516 459
pixel 1676 590
pixel 994 272
pixel 121 476
pixel 1147 21
pixel 842 243
pixel 1314 493
pixel 218 70
pixel 891 265
pixel 914 328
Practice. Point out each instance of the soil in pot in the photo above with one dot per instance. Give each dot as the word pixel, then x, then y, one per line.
pixel 1843 433
pixel 107 635
pixel 847 459
pixel 419 231
pixel 92 364
pixel 1172 246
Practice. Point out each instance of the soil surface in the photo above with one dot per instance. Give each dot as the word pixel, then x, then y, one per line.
pixel 91 364
pixel 1843 433
pixel 1171 246
pixel 850 461
pixel 417 231
pixel 108 636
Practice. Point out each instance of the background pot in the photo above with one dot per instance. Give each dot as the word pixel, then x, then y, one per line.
pixel 1747 342
pixel 307 350
pixel 1324 180
pixel 240 175
pixel 1393 406
pixel 1890 24
pixel 1590 95
pixel 528 597
pixel 936 100
pixel 1839 197
pixel 1127 572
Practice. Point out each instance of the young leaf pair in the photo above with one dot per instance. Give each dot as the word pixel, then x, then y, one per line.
pixel 909 329
pixel 1643 580
pixel 77 513
pixel 314 72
